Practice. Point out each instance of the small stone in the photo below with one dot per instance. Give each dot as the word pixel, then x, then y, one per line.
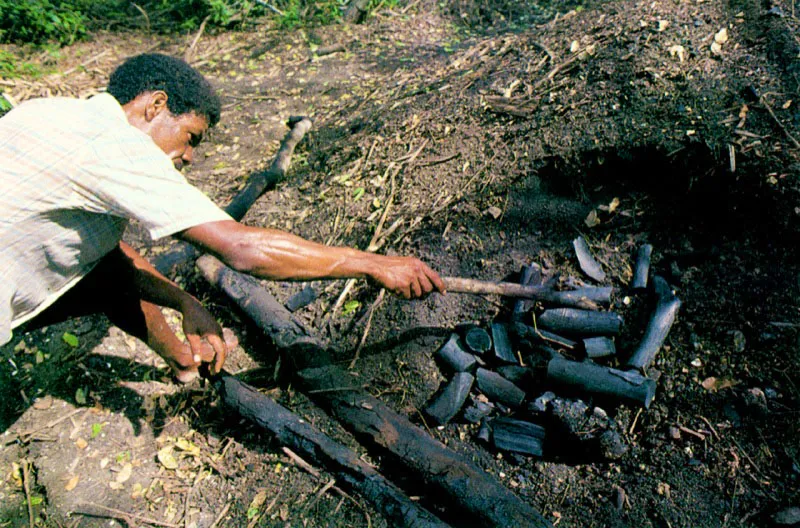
pixel 787 517
pixel 674 433
pixel 739 341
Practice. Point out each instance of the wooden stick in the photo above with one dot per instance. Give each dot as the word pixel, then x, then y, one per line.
pixel 510 289
pixel 26 479
pixel 367 327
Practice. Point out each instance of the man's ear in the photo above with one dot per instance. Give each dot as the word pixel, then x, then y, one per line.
pixel 155 104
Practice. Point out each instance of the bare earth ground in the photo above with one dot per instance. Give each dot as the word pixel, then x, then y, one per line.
pixel 493 150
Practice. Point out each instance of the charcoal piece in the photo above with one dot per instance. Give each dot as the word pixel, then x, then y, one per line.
pixel 642 269
pixel 664 313
pixel 514 373
pixel 573 321
pixel 531 274
pixel 478 340
pixel 542 336
pixel 517 436
pixel 453 359
pixel 503 352
pixel 599 347
pixel 625 386
pixel 539 405
pixel 586 261
pixel 301 299
pixel 450 400
pixel 588 294
pixel 477 411
pixel 485 431
pixel 498 389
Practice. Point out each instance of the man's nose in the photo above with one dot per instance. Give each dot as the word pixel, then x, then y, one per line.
pixel 188 154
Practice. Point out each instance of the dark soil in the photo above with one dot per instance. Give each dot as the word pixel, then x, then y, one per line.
pixel 495 148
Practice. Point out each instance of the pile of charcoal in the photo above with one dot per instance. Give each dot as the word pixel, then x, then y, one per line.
pixel 526 379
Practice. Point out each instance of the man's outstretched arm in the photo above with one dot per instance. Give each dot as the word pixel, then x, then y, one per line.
pixel 277 255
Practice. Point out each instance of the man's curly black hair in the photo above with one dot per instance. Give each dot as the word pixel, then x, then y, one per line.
pixel 187 90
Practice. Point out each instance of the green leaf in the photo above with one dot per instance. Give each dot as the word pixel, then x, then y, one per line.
pixel 70 339
pixel 358 193
pixel 251 512
pixel 35 500
pixel 80 396
pixel 97 428
pixel 39 357
pixel 350 307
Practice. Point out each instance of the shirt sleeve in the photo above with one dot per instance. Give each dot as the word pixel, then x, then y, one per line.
pixel 125 174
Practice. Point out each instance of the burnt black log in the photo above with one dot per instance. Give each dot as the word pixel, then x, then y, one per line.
pixel 586 261
pixel 301 299
pixel 460 484
pixel 641 271
pixel 530 275
pixel 450 400
pixel 599 347
pixel 517 436
pixel 543 336
pixel 587 294
pixel 515 374
pixel 477 411
pixel 572 321
pixel 625 386
pixel 294 432
pixel 664 313
pixel 257 184
pixel 478 340
pixel 453 359
pixel 503 353
pixel 499 389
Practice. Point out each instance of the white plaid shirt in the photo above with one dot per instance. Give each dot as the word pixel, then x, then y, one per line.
pixel 73 173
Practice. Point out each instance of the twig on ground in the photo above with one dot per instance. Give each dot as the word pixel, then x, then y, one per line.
pixel 26 480
pixel 26 436
pixel 85 63
pixel 711 427
pixel 144 14
pixel 772 113
pixel 222 514
pixel 129 518
pixel 367 327
pixel 686 430
pixel 187 55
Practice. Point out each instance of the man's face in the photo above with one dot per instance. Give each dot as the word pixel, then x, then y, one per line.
pixel 178 135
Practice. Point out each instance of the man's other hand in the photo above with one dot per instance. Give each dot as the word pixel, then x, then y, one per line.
pixel 205 337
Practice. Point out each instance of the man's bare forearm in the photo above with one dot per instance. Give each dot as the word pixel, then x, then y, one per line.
pixel 152 285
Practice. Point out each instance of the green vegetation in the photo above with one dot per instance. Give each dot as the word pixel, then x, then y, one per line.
pixel 65 21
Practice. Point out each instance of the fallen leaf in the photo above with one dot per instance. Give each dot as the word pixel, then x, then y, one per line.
pixel 125 473
pixel 713 384
pixel 716 48
pixel 494 211
pixel 613 205
pixel 722 36
pixel 97 428
pixel 115 485
pixel 166 458
pixel 592 219
pixel 662 25
pixel 72 483
pixel 80 396
pixel 187 446
pixel 80 443
pixel 256 503
pixel 677 51
pixel 70 339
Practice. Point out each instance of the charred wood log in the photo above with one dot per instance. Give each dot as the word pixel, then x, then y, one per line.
pixel 626 386
pixel 453 359
pixel 478 341
pixel 586 261
pixel 531 275
pixel 543 336
pixel 664 313
pixel 642 270
pixel 499 389
pixel 503 353
pixel 518 436
pixel 292 431
pixel 451 399
pixel 580 322
pixel 258 183
pixel 464 486
pixel 598 347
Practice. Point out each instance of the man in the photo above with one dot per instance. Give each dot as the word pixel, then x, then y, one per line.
pixel 75 172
